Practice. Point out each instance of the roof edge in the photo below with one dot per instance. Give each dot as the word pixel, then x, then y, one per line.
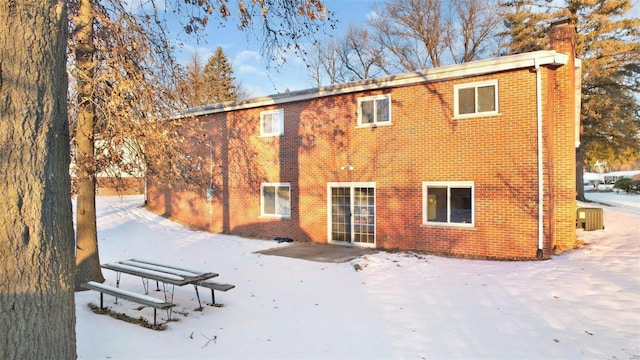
pixel 474 68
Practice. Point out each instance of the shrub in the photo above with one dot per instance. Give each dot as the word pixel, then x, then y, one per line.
pixel 627 185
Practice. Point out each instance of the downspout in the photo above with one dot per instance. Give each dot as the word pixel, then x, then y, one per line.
pixel 540 252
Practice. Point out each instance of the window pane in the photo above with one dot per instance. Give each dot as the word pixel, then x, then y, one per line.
pixel 275 126
pixel 382 110
pixel 267 123
pixel 276 123
pixel 437 204
pixel 366 108
pixel 269 199
pixel 486 98
pixel 341 210
pixel 284 200
pixel 461 205
pixel 467 101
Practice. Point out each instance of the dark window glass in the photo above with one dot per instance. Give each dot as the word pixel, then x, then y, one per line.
pixel 367 112
pixel 486 98
pixel 467 101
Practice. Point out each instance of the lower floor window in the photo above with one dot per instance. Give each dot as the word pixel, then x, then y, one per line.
pixel 448 203
pixel 275 199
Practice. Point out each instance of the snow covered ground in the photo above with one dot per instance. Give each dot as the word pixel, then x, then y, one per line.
pixel 582 304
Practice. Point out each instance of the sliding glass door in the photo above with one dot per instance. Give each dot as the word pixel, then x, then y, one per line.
pixel 352 213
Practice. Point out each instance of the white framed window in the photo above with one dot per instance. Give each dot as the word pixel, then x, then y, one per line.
pixel 476 99
pixel 272 122
pixel 275 200
pixel 448 203
pixel 374 110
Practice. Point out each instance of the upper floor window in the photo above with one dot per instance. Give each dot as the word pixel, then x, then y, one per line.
pixel 448 203
pixel 476 99
pixel 374 110
pixel 275 200
pixel 272 122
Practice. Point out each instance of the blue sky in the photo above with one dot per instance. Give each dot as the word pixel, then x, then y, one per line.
pixel 243 50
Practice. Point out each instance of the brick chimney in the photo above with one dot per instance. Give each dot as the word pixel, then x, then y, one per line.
pixel 563 135
pixel 562 36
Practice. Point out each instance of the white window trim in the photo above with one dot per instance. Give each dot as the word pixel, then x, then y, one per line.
pixel 475 85
pixel 373 98
pixel 448 185
pixel 272 216
pixel 272 112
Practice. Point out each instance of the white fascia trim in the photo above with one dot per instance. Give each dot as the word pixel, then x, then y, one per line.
pixel 474 68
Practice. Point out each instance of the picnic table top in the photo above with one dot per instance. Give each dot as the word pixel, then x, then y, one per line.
pixel 159 272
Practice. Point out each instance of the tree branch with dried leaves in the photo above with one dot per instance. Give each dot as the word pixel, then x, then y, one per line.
pixel 124 82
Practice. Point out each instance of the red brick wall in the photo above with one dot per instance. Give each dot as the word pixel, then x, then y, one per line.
pixel 424 143
pixel 562 83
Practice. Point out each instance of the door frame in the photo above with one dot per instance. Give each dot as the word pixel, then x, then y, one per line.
pixel 351 185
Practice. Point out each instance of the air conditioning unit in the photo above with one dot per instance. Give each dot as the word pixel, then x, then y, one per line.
pixel 589 219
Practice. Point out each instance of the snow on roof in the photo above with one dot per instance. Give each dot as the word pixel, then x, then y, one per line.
pixel 627 174
pixel 590 176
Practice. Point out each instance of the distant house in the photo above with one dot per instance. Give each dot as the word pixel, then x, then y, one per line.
pixel 612 177
pixel 473 160
pixel 113 180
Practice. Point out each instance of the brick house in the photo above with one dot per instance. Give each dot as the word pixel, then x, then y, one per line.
pixel 472 160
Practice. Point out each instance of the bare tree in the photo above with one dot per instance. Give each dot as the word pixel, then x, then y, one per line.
pixel 314 66
pixel 324 63
pixel 37 310
pixel 411 35
pixel 413 32
pixel 418 34
pixel 469 37
pixel 359 56
pixel 356 56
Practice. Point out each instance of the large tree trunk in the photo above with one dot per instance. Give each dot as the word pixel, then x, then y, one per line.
pixel 37 309
pixel 580 173
pixel 87 258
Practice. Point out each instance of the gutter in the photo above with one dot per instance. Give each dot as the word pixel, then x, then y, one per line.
pixel 540 251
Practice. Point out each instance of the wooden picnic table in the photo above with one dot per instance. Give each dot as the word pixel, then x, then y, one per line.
pixel 165 274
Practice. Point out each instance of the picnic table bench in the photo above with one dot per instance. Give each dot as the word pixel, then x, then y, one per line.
pixel 146 300
pixel 215 286
pixel 166 274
